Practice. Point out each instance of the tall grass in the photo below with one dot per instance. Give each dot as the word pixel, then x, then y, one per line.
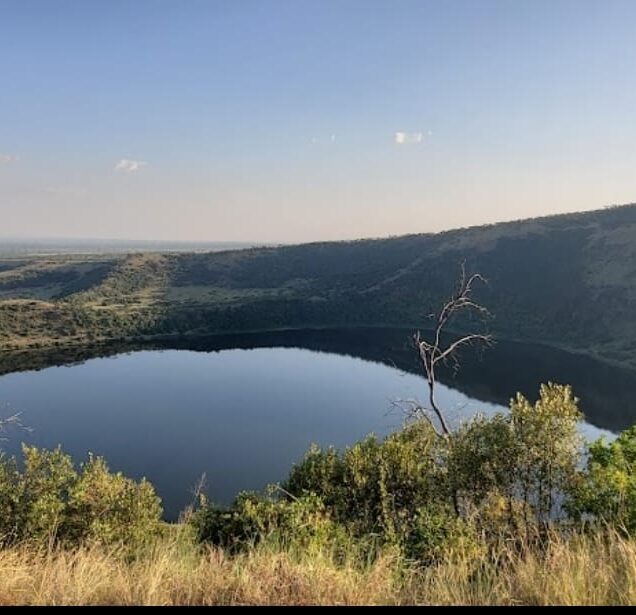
pixel 581 570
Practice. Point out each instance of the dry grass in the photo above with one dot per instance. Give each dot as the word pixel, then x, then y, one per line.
pixel 167 576
pixel 598 570
pixel 580 571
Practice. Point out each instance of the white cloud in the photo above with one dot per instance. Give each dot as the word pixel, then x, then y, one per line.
pixel 8 158
pixel 324 139
pixel 407 138
pixel 130 166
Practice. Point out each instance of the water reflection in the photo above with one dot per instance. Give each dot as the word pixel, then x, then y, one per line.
pixel 494 375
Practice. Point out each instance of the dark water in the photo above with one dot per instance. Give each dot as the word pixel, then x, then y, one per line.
pixel 242 409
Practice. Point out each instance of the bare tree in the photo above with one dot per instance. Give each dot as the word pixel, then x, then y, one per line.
pixel 199 500
pixel 434 353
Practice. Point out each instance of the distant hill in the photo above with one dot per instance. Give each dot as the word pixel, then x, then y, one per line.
pixel 567 280
pixel 11 247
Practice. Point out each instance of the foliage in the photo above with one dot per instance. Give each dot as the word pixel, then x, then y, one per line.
pixel 379 488
pixel 302 522
pixel 502 480
pixel 373 491
pixel 48 500
pixel 525 460
pixel 109 507
pixel 606 490
pixel 435 532
pixel 548 446
pixel 501 477
pixel 564 280
pixel 40 493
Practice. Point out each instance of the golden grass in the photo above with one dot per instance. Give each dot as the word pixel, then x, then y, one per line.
pixel 599 570
pixel 580 571
pixel 168 576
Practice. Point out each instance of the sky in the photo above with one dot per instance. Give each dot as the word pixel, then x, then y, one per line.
pixel 303 120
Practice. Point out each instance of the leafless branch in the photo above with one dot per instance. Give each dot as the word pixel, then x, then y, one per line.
pixel 277 487
pixel 414 410
pixel 467 339
pixel 432 352
pixel 198 499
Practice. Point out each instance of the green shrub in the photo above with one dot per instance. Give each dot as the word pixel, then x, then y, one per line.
pixel 500 477
pixel 425 494
pixel 42 492
pixel 111 508
pixel 48 500
pixel 300 522
pixel 375 488
pixel 8 497
pixel 523 462
pixel 436 532
pixel 547 448
pixel 606 489
pixel 372 494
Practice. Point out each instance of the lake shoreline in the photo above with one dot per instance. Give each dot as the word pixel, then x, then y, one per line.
pixel 106 342
pixel 492 375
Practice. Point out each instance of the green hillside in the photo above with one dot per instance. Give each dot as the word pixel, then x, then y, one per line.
pixel 567 280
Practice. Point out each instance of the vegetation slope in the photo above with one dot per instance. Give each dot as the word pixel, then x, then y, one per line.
pixel 566 280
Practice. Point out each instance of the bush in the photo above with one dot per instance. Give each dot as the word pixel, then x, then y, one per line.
pixel 606 489
pixel 500 478
pixel 36 498
pixel 372 494
pixel 300 522
pixel 377 488
pixel 515 470
pixel 436 532
pixel 49 500
pixel 111 508
pixel 504 477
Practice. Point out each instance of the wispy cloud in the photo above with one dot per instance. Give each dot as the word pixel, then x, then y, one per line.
pixel 327 139
pixel 408 138
pixel 130 166
pixel 8 158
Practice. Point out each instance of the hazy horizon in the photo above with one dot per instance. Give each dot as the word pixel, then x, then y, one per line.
pixel 283 121
pixel 256 242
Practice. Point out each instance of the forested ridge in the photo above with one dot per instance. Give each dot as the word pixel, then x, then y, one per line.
pixel 565 280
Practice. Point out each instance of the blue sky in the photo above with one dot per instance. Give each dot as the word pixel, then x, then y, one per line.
pixel 296 120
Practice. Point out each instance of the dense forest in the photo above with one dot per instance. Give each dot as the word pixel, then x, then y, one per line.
pixel 564 280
